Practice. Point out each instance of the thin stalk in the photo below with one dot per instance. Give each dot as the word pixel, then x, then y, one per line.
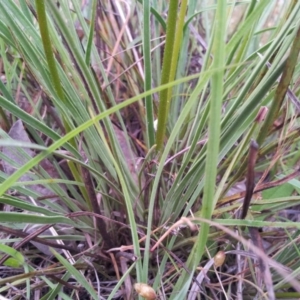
pixel 281 88
pixel 213 141
pixel 165 76
pixel 42 19
pixel 177 45
pixel 148 74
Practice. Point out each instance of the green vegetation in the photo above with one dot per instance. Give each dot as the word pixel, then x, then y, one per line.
pixel 97 202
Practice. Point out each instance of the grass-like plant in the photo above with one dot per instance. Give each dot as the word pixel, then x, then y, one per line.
pixel 99 203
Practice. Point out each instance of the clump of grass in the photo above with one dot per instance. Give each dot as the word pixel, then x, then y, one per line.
pixel 95 207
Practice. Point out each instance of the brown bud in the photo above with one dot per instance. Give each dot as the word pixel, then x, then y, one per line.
pixel 219 259
pixel 146 291
pixel 261 114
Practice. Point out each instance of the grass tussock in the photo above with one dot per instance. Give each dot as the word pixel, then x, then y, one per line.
pixel 149 150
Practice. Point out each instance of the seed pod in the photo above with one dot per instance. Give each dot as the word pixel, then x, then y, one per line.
pixel 145 291
pixel 219 259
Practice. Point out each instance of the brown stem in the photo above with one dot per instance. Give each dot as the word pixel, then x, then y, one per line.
pixel 260 188
pixel 250 178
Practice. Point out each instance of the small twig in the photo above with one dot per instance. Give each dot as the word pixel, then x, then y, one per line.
pixel 201 142
pixel 123 257
pixel 130 247
pixel 27 239
pixel 115 265
pixel 260 188
pixel 127 256
pixel 182 221
pixel 66 284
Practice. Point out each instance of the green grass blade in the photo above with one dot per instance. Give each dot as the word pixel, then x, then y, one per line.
pixel 78 275
pixel 217 86
pixel 148 73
